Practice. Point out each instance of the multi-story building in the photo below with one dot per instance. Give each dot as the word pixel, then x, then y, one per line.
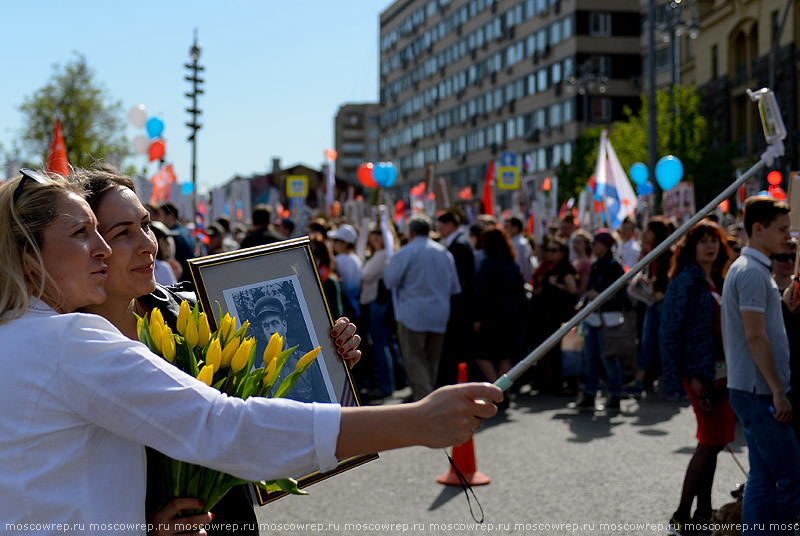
pixel 355 137
pixel 724 47
pixel 463 80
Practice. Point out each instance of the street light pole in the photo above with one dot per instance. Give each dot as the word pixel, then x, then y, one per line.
pixel 196 81
pixel 652 132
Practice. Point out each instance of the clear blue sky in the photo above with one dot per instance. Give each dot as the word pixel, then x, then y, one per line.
pixel 276 72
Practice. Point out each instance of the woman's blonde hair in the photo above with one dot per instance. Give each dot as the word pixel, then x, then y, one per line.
pixel 22 226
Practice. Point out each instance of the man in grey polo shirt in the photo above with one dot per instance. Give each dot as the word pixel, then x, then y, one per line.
pixel 757 356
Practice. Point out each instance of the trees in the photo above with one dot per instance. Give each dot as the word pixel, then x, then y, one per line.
pixel 682 131
pixel 92 121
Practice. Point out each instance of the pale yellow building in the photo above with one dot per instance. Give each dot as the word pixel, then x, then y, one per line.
pixel 731 53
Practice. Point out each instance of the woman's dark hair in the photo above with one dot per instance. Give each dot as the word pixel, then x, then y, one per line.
pixel 686 250
pixel 322 253
pixel 660 227
pixel 98 182
pixel 496 244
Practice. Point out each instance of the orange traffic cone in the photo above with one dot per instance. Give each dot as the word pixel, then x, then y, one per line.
pixel 464 455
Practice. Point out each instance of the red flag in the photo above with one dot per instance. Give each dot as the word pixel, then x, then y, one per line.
pixel 465 193
pixel 529 230
pixel 57 157
pixel 488 203
pixel 419 189
pixel 161 184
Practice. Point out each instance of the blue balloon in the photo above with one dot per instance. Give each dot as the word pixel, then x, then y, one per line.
pixel 187 188
pixel 381 174
pixel 392 177
pixel 669 172
pixel 639 173
pixel 155 127
pixel 645 189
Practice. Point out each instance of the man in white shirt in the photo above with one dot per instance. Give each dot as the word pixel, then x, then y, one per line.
pixel 631 249
pixel 349 266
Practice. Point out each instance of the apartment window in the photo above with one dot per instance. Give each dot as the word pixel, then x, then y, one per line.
pixel 555 33
pixel 541 6
pixel 472 108
pixel 519 86
pixel 541 78
pixel 498 133
pixel 530 7
pixel 490 135
pixel 541 159
pixel 498 97
pixel 539 118
pixel 556 155
pixel 541 39
pixel 531 84
pixel 555 73
pixel 479 37
pixel 555 114
pixel 531 45
pixel 568 66
pixel 566 27
pixel 600 24
pixel 509 90
pixel 520 124
pixel 511 129
pixel 568 111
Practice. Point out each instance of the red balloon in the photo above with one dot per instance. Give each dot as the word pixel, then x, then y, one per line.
pixel 364 174
pixel 774 178
pixel 778 193
pixel 157 150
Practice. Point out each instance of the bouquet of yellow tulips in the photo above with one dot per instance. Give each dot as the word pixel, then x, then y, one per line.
pixel 223 360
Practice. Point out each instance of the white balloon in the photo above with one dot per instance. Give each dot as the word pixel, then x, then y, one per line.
pixel 138 116
pixel 141 144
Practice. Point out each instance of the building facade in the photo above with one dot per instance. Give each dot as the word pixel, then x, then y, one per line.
pixel 355 137
pixel 463 80
pixel 728 52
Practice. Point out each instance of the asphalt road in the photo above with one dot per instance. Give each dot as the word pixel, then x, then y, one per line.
pixel 553 471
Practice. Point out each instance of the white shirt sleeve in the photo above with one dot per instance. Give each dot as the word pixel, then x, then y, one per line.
pixel 119 385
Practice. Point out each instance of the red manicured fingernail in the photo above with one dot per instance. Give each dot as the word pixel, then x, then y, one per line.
pixel 341 351
pixel 339 341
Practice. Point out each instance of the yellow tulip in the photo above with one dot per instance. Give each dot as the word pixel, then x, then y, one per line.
pixel 274 348
pixel 156 333
pixel 139 324
pixel 168 347
pixel 203 330
pixel 214 354
pixel 307 359
pixel 242 354
pixel 191 333
pixel 228 351
pixel 271 368
pixel 206 374
pixel 225 327
pixel 156 317
pixel 183 317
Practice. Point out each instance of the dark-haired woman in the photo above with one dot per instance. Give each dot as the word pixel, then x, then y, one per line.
pixel 693 359
pixel 554 299
pixel 499 304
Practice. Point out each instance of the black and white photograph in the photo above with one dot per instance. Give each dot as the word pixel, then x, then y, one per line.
pixel 278 306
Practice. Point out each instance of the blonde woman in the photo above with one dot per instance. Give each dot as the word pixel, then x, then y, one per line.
pixel 84 399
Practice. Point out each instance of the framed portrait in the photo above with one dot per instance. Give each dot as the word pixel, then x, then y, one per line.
pixel 277 288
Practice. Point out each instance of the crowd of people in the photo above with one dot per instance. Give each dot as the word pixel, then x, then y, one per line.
pixel 714 318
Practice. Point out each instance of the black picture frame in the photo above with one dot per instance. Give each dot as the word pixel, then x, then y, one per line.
pixel 234 282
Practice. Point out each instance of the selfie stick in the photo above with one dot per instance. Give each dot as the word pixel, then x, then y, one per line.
pixel 775 133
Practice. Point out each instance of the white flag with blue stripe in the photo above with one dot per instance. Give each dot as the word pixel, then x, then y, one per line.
pixel 612 185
